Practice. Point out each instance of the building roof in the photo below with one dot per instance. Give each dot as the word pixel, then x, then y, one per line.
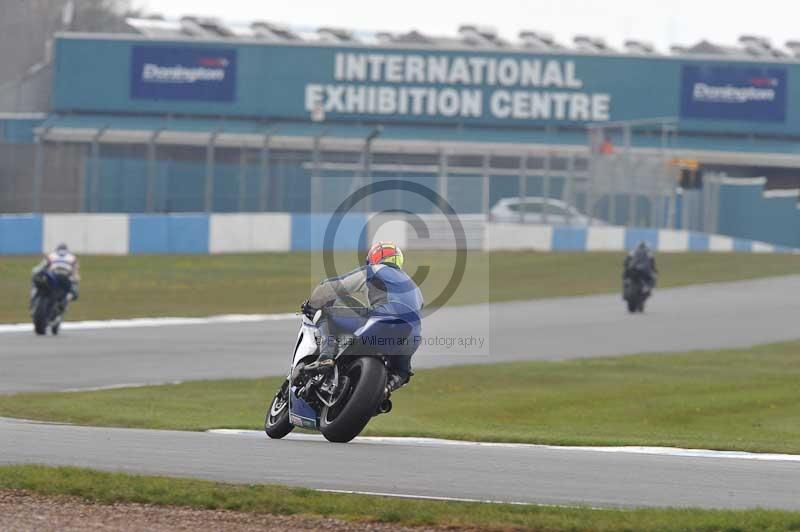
pixel 467 35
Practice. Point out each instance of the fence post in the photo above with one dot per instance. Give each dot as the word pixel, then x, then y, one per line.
pixel 546 186
pixel 209 192
pixel 594 147
pixel 367 170
pixel 485 186
pixel 568 194
pixel 38 170
pixel 633 200
pixel 242 177
pixel 316 192
pixel 150 202
pixel 94 179
pixel 522 186
pixel 265 174
pixel 442 178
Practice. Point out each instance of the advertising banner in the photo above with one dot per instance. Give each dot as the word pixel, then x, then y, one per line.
pixel 182 73
pixel 733 93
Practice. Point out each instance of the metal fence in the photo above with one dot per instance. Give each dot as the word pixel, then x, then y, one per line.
pixel 161 171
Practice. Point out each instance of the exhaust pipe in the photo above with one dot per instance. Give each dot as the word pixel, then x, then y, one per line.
pixel 385 407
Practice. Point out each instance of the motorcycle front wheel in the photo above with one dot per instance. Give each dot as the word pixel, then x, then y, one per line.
pixel 276 422
pixel 355 405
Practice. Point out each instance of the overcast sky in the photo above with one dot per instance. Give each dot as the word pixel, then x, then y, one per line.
pixel 662 22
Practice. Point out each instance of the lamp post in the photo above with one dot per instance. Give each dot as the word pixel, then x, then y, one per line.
pixel 367 171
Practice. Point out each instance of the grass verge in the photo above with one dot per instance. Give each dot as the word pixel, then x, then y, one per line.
pixel 743 399
pixel 202 285
pixel 108 488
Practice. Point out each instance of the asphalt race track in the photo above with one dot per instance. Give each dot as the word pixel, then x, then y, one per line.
pixel 696 317
pixel 708 316
pixel 526 474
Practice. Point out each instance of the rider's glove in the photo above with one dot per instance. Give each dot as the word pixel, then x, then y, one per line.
pixel 308 310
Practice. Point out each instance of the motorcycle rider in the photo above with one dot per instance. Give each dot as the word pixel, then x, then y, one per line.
pixel 63 264
pixel 641 263
pixel 379 288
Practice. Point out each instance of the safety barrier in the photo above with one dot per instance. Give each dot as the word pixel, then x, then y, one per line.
pixel 123 234
pixel 512 236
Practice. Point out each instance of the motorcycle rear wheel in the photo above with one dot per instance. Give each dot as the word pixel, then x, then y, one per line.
pixel 40 314
pixel 355 405
pixel 276 422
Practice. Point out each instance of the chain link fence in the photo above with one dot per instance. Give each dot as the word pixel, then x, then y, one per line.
pixel 166 171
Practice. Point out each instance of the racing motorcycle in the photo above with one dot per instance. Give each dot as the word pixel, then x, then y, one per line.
pixel 48 304
pixel 635 292
pixel 341 405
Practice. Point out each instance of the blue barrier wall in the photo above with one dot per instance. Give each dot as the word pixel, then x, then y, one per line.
pixel 169 233
pixel 308 231
pixel 20 234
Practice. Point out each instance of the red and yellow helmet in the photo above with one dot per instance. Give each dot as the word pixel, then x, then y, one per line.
pixel 385 253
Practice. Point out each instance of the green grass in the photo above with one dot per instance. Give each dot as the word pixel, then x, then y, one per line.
pixel 138 286
pixel 743 399
pixel 109 488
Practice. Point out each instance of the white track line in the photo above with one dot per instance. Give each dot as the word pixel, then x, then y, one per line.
pixel 151 322
pixel 454 499
pixel 118 386
pixel 661 451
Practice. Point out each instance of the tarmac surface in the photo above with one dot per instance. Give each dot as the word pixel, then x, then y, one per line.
pixel 720 315
pixel 418 468
pixel 696 317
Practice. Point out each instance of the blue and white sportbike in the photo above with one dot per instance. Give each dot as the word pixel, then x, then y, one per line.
pixel 341 403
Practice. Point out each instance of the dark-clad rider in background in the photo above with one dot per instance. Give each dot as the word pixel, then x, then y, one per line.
pixel 63 265
pixel 379 288
pixel 641 264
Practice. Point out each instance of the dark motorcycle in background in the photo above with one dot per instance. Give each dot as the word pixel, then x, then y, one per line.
pixel 49 302
pixel 635 291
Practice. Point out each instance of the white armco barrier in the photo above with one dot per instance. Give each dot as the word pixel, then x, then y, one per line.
pixel 671 240
pixel 513 236
pixel 605 238
pixel 101 234
pixel 720 243
pixel 388 227
pixel 247 233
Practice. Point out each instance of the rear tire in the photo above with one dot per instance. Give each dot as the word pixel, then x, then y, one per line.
pixel 40 318
pixel 366 392
pixel 276 421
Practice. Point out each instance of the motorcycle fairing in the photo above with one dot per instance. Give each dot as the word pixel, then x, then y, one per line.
pixel 300 412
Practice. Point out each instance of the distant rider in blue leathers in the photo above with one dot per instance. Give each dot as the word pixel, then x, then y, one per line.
pixel 63 264
pixel 389 301
pixel 641 263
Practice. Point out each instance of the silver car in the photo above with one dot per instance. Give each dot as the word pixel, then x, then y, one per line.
pixel 538 210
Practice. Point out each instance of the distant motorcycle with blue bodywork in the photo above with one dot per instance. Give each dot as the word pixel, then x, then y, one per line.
pixel 48 304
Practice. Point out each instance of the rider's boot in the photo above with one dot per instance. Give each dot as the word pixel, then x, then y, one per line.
pixel 327 348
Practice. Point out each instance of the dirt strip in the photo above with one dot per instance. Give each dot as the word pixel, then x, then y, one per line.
pixel 27 511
